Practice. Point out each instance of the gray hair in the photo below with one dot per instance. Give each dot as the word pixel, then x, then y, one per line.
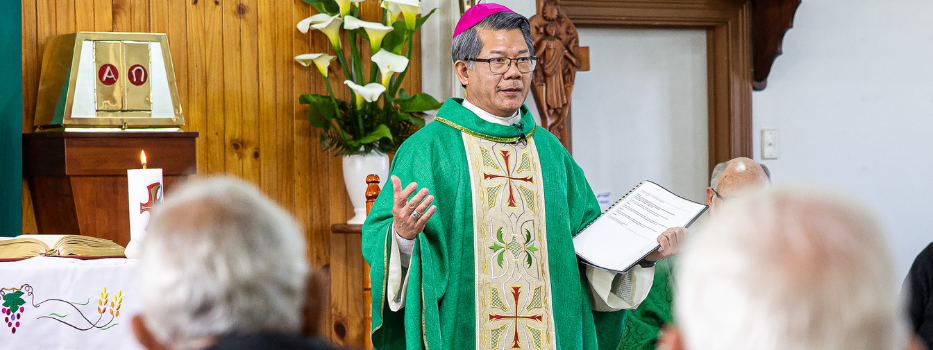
pixel 717 171
pixel 789 268
pixel 221 258
pixel 467 45
pixel 714 178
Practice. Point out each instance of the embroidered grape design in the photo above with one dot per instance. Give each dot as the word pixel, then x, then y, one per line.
pixel 12 308
pixel 11 318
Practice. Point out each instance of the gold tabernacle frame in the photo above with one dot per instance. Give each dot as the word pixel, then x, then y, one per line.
pixel 59 75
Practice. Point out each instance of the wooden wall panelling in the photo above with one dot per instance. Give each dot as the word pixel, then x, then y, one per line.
pixel 728 48
pixel 65 16
pixel 249 53
pixel 239 85
pixel 275 137
pixel 312 169
pixel 84 15
pixel 214 66
pixel 232 91
pixel 103 15
pixel 195 110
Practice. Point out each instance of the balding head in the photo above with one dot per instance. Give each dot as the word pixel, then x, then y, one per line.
pixel 789 268
pixel 734 176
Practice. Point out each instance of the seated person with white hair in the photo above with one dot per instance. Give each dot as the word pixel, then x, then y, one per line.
pixel 790 269
pixel 222 267
pixel 728 180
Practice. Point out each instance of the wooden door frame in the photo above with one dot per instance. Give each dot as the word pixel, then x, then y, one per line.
pixel 729 61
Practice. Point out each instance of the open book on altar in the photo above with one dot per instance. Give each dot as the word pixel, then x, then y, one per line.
pixel 27 246
pixel 628 231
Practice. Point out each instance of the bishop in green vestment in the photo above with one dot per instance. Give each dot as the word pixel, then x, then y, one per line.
pixel 486 261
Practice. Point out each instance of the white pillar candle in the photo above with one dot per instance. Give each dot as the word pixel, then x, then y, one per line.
pixel 145 188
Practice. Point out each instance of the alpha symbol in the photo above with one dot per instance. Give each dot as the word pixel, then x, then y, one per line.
pixel 107 74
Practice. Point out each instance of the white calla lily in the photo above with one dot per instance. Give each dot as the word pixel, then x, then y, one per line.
pixel 370 92
pixel 331 28
pixel 320 60
pixel 393 11
pixel 409 9
pixel 351 23
pixel 306 23
pixel 375 31
pixel 345 6
pixel 389 63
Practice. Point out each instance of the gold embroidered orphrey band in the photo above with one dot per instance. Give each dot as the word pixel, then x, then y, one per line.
pixel 512 282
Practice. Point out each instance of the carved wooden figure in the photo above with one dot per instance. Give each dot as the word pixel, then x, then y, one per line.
pixel 556 43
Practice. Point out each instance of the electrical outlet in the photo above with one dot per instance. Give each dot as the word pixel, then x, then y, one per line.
pixel 769 144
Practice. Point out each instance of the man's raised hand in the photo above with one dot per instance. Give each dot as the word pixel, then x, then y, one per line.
pixel 410 216
pixel 671 242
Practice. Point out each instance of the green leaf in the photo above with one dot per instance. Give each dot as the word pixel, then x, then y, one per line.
pixel 420 21
pixel 531 248
pixel 382 131
pixel 527 236
pixel 499 258
pixel 419 121
pixel 324 6
pixel 403 95
pixel 394 40
pixel 499 235
pixel 402 116
pixel 320 109
pixel 495 247
pixel 528 259
pixel 418 103
pixel 13 300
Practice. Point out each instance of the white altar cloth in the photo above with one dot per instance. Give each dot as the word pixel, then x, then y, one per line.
pixel 64 303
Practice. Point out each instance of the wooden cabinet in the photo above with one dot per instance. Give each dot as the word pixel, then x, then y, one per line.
pixel 78 179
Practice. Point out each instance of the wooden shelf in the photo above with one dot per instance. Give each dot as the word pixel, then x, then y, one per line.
pixel 346 229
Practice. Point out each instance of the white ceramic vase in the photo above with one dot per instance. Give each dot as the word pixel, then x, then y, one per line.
pixel 355 170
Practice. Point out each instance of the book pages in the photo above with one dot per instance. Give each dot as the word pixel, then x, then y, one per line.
pixel 628 231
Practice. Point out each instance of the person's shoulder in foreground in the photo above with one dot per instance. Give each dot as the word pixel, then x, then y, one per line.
pixel 270 341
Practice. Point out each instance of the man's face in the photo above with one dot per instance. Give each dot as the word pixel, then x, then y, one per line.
pixel 500 94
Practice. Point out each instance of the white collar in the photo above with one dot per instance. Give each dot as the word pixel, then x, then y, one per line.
pixel 492 118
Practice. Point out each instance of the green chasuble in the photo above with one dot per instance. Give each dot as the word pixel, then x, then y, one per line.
pixel 643 325
pixel 495 266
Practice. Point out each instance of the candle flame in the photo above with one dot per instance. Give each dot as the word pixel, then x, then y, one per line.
pixel 142 158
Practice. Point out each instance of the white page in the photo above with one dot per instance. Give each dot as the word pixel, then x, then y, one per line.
pixel 49 240
pixel 629 229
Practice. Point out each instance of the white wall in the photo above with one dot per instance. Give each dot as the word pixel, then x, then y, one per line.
pixel 852 103
pixel 640 112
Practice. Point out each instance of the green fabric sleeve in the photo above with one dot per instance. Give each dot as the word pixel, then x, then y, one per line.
pixel 418 322
pixel 643 325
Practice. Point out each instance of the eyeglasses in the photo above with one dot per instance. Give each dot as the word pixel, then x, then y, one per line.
pixel 718 195
pixel 500 65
